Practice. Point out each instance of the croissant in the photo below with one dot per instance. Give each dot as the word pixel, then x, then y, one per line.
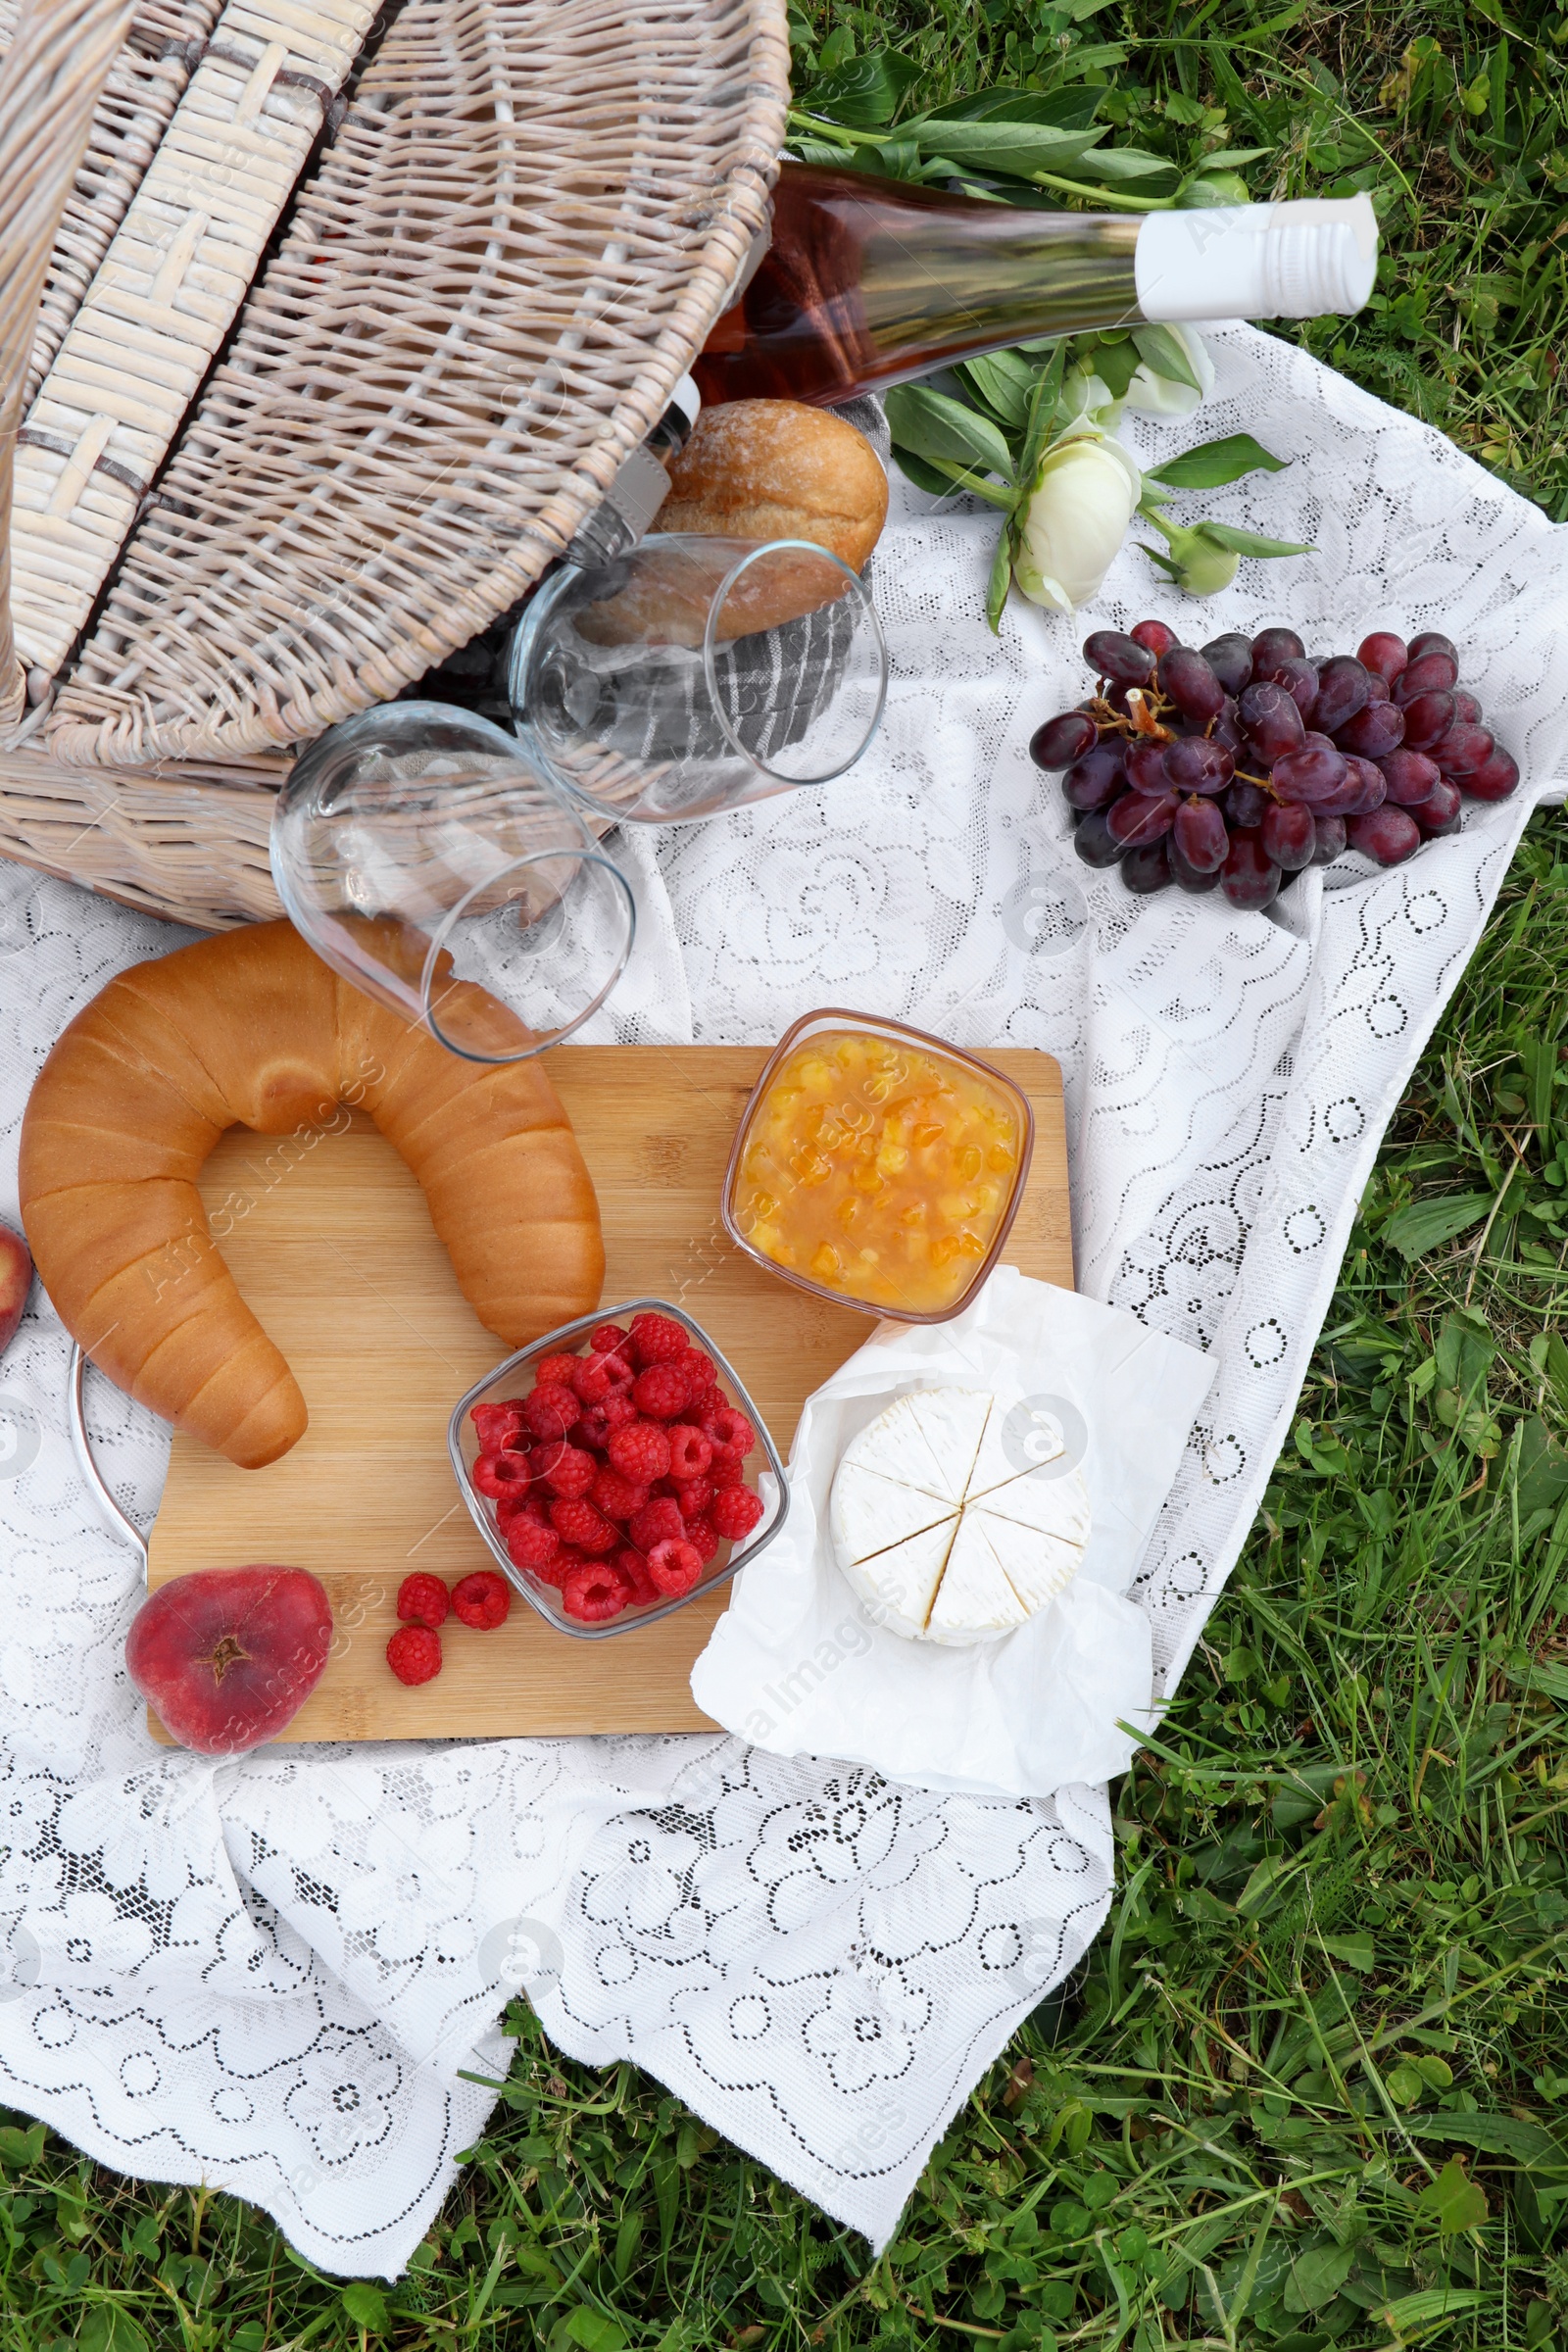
pixel 250 1026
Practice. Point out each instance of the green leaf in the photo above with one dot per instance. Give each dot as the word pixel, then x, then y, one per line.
pixel 1512 2136
pixel 1072 109
pixel 1108 164
pixel 1357 1951
pixel 1229 157
pixel 365 2305
pixel 1022 147
pixel 923 476
pixel 1214 463
pixel 20 2150
pixel 865 92
pixel 1258 1896
pixel 1431 2303
pixel 1316 2277
pixel 108 2328
pixel 590 2328
pixel 1115 363
pixel 1250 543
pixel 1452 2201
pixel 1427 1224
pixel 1543 1471
pixel 1041 415
pixel 1162 352
pixel 1001 578
pixel 1005 381
pixel 934 426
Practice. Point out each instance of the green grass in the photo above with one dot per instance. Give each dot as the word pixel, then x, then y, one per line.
pixel 1308 2075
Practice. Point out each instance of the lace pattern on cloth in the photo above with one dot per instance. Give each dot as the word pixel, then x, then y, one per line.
pixel 272 1974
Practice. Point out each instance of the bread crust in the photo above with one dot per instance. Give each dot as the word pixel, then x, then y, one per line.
pixel 251 1028
pixel 778 470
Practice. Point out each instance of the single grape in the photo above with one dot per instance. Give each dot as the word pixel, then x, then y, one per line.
pixel 1287 837
pixel 1271 646
pixel 1373 789
pixel 1434 673
pixel 1426 719
pixel 1194 764
pixel 1374 731
pixel 1094 781
pixel 1140 816
pixel 1230 658
pixel 1377 688
pixel 1147 770
pixel 1432 641
pixel 1494 780
pixel 1147 868
pixel 1271 718
pixel 1245 806
pixel 1111 654
pixel 1115 699
pixel 1154 637
pixel 1226 730
pixel 1199 832
pixel 1342 691
pixel 1409 776
pixel 1299 681
pixel 1094 840
pixel 1187 877
pixel 1384 653
pixel 1249 877
pixel 1312 772
pixel 1186 678
pixel 1439 814
pixel 1466 709
pixel 1063 739
pixel 1463 750
pixel 1387 836
pixel 1329 838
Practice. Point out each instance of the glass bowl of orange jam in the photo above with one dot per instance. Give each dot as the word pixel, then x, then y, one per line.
pixel 878 1166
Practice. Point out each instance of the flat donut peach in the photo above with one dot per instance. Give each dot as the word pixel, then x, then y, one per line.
pixel 250 1027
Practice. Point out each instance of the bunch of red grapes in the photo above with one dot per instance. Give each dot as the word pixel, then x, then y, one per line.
pixel 1237 766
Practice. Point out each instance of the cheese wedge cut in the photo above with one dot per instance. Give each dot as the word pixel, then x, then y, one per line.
pixel 901 1583
pixel 940 1528
pixel 871 1513
pixel 975 1601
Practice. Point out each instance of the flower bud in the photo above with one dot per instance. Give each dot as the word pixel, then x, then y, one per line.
pixel 1076 519
pixel 1155 395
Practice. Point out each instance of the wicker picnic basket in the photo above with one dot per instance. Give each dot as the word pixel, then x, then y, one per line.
pixel 321 329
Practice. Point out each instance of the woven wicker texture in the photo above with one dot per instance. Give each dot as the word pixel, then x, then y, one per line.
pixel 513 245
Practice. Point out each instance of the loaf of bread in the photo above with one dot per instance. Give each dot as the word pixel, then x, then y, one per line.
pixel 250 1027
pixel 777 469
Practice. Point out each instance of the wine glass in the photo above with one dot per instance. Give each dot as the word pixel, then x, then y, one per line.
pixel 418 849
pixel 693 676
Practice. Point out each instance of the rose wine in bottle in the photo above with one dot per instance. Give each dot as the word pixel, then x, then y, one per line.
pixel 868 281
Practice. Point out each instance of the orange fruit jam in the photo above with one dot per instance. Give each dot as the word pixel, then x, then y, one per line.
pixel 878 1168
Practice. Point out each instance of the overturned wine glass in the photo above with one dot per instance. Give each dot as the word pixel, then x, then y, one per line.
pixel 421 853
pixel 695 674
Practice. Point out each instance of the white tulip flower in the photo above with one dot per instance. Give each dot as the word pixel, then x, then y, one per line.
pixel 1076 519
pixel 1161 395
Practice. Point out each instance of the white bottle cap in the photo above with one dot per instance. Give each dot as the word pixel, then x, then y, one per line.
pixel 1258 261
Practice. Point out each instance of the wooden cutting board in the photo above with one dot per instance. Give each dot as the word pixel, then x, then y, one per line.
pixel 329 1240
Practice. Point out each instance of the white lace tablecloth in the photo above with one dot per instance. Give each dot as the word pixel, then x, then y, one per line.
pixel 268 1975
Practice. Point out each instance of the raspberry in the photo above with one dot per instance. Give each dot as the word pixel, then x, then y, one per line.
pixel 706 1401
pixel 510 1509
pixel 579 1523
pixel 570 1473
pixel 659 1522
pixel 594 1592
pixel 608 1338
pixel 555 1371
pixel 482 1599
pixel 730 1430
pixel 550 1412
pixel 735 1511
pixel 618 1409
pixel 633 1566
pixel 423 1600
pixel 593 1379
pixel 690 1451
pixel 499 1475
pixel 640 1450
pixel 674 1567
pixel 699 1368
pixel 726 1469
pixel 703 1538
pixel 616 1496
pixel 413 1653
pixel 656 1340
pixel 556 1571
pixel 661 1392
pixel 592 1431
pixel 497 1425
pixel 692 1496
pixel 530 1546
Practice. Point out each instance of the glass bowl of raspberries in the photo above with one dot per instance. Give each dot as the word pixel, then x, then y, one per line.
pixel 617 1468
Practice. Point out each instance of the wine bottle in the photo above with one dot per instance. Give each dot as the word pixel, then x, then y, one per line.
pixel 868 281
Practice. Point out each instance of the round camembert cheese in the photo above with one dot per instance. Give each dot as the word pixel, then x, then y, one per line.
pixel 937 1524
